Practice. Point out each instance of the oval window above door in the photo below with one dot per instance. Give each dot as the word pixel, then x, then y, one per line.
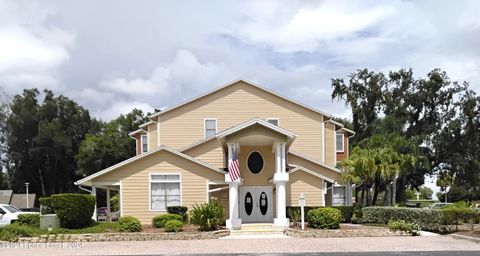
pixel 255 162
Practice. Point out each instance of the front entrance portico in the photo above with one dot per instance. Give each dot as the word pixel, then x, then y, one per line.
pixel 259 196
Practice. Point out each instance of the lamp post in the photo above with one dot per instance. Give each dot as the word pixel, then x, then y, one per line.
pixel 26 188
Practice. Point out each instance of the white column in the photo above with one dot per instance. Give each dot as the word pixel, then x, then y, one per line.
pixel 280 178
pixel 109 211
pixel 233 221
pixel 284 157
pixel 94 193
pixel 281 219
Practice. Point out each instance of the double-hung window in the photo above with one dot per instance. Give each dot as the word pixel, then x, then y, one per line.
pixel 164 191
pixel 339 141
pixel 144 140
pixel 210 127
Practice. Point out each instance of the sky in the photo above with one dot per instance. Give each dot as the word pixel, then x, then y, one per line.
pixel 112 56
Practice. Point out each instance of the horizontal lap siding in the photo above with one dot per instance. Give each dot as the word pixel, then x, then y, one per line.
pixel 309 185
pixel 152 136
pixel 330 144
pixel 135 182
pixel 234 105
pixel 296 160
pixel 209 152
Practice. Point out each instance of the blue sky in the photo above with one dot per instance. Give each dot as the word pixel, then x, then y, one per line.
pixel 114 55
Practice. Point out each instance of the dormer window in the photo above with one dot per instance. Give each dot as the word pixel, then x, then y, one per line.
pixel 144 141
pixel 210 127
pixel 339 142
pixel 274 120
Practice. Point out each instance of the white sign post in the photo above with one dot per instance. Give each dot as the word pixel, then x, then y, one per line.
pixel 301 202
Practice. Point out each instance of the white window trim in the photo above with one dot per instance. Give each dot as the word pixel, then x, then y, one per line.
pixel 343 142
pixel 150 181
pixel 274 118
pixel 141 143
pixel 205 125
pixel 246 162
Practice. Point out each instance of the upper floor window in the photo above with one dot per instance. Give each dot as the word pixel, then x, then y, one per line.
pixel 144 140
pixel 274 121
pixel 339 142
pixel 210 127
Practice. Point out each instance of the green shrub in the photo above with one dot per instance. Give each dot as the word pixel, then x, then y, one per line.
pixel 73 210
pixel 208 216
pixel 180 210
pixel 29 219
pixel 347 213
pixel 425 218
pixel 173 226
pixel 357 211
pixel 327 217
pixel 19 230
pixel 6 235
pixel 160 220
pixel 454 215
pixel 404 227
pixel 129 224
pixel 46 205
pixel 294 214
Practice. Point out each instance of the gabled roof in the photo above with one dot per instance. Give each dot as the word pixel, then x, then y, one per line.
pixel 137 131
pixel 233 83
pixel 255 121
pixel 314 173
pixel 136 158
pixel 293 152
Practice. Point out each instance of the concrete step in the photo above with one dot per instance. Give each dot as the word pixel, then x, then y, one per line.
pixel 255 226
pixel 257 232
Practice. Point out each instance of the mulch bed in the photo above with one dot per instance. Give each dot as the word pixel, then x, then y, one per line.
pixel 345 230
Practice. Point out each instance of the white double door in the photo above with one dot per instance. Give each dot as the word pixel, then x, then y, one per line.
pixel 256 204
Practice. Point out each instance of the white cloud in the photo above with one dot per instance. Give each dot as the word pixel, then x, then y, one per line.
pixel 30 54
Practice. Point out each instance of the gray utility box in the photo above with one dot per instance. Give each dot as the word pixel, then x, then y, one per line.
pixel 49 221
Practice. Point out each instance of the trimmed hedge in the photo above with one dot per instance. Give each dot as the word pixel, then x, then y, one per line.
pixel 327 218
pixel 160 220
pixel 129 224
pixel 45 205
pixel 73 210
pixel 173 226
pixel 347 213
pixel 427 219
pixel 180 210
pixel 29 219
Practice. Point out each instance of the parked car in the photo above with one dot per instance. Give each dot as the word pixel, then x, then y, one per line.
pixel 439 205
pixel 9 214
pixel 34 209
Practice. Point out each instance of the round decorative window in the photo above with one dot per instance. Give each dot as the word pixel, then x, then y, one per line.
pixel 255 162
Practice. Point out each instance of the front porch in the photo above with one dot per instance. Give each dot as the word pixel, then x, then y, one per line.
pixel 259 196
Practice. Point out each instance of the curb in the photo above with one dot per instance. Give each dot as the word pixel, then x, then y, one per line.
pixel 463 237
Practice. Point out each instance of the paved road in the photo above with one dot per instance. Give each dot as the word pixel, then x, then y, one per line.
pixel 398 245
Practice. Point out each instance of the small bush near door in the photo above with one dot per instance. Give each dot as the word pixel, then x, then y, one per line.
pixel 160 220
pixel 326 218
pixel 129 224
pixel 173 226
pixel 180 210
pixel 208 216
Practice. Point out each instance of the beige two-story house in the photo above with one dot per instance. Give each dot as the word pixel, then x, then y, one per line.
pixel 283 147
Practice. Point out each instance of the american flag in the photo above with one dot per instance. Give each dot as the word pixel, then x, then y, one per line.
pixel 234 168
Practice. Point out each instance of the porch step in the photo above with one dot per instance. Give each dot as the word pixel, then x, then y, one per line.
pixel 257 226
pixel 257 230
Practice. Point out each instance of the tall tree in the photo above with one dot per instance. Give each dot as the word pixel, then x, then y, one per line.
pixel 42 141
pixel 110 145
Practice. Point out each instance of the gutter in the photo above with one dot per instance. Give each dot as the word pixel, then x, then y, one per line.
pixel 84 189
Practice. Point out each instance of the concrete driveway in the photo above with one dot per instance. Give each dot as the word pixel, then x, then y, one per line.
pixel 245 246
